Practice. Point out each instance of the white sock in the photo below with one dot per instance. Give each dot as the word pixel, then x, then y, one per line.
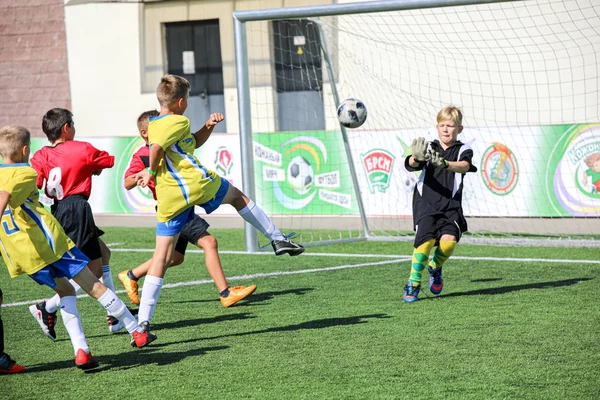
pixel 150 292
pixel 256 217
pixel 107 277
pixel 70 317
pixel 115 307
pixel 52 304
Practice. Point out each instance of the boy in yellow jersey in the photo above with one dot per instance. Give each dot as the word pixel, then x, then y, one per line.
pixel 437 200
pixel 182 182
pixel 195 232
pixel 32 242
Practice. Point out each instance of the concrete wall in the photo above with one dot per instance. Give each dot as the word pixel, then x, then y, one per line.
pixel 33 62
pixel 117 56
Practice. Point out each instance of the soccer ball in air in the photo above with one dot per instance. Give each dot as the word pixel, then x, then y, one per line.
pixel 352 113
pixel 300 175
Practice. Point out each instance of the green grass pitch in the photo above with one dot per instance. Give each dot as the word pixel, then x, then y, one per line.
pixel 511 323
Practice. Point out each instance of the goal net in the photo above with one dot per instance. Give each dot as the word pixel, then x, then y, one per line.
pixel 525 74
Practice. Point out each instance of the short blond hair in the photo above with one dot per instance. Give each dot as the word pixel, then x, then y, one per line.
pixel 12 140
pixel 450 113
pixel 172 88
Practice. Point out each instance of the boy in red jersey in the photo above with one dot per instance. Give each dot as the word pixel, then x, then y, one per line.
pixel 33 243
pixel 67 166
pixel 194 232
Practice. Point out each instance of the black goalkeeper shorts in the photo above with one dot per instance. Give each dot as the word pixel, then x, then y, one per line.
pixel 191 233
pixel 75 215
pixel 433 226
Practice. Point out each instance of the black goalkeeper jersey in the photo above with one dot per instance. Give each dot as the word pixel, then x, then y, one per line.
pixel 439 191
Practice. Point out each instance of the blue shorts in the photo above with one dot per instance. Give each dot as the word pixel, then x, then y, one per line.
pixel 174 226
pixel 212 205
pixel 71 263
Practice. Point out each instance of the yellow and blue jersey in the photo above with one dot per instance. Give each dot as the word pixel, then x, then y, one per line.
pixel 181 180
pixel 30 237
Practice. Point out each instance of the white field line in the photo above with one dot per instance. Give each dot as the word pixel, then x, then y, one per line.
pixel 394 259
pixel 244 277
pixel 268 253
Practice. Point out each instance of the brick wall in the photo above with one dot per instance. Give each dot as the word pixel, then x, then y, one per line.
pixel 34 75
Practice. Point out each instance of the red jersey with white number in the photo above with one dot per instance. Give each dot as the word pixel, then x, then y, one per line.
pixel 67 168
pixel 139 162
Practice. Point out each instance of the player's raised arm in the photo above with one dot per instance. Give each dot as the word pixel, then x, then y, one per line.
pixel 203 134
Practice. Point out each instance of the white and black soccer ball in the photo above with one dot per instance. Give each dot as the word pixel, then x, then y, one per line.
pixel 352 113
pixel 300 175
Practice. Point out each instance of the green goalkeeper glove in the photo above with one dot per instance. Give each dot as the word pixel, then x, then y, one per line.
pixel 437 160
pixel 419 149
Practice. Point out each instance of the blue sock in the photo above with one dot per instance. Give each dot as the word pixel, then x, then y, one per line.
pixel 131 276
pixel 225 292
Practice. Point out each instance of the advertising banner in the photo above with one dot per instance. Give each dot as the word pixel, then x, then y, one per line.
pixel 221 154
pixel 303 173
pixel 545 171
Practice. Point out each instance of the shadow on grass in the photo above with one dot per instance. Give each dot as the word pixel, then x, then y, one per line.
pixel 130 359
pixel 201 321
pixel 316 324
pixel 486 280
pixel 171 325
pixel 256 297
pixel 514 288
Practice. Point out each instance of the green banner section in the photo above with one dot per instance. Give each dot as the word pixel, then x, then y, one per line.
pixel 303 173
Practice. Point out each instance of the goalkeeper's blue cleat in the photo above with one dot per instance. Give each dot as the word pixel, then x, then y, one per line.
pixel 411 293
pixel 436 281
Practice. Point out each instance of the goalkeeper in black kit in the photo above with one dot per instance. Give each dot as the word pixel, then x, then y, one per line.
pixel 438 218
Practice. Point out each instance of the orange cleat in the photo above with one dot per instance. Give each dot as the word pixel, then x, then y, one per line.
pixel 131 287
pixel 85 360
pixel 236 294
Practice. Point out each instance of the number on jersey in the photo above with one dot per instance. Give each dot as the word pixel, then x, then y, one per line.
pixel 53 186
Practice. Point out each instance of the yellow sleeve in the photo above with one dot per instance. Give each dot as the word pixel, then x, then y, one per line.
pixel 20 186
pixel 168 130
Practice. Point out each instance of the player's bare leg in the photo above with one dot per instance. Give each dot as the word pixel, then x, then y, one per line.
pixel 228 295
pixel 114 306
pixel 72 322
pixel 153 282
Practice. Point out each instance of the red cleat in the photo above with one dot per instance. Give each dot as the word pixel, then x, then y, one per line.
pixel 85 360
pixel 142 339
pixel 9 366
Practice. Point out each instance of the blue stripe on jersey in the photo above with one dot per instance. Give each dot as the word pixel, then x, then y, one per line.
pixel 159 117
pixel 14 165
pixel 6 252
pixel 185 190
pixel 37 218
pixel 177 149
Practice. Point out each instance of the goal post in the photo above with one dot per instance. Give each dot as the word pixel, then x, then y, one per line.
pixel 525 74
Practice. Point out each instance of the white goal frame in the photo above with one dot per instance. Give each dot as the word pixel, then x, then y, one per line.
pixel 244 96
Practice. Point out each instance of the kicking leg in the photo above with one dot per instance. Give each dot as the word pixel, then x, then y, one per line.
pixel 256 217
